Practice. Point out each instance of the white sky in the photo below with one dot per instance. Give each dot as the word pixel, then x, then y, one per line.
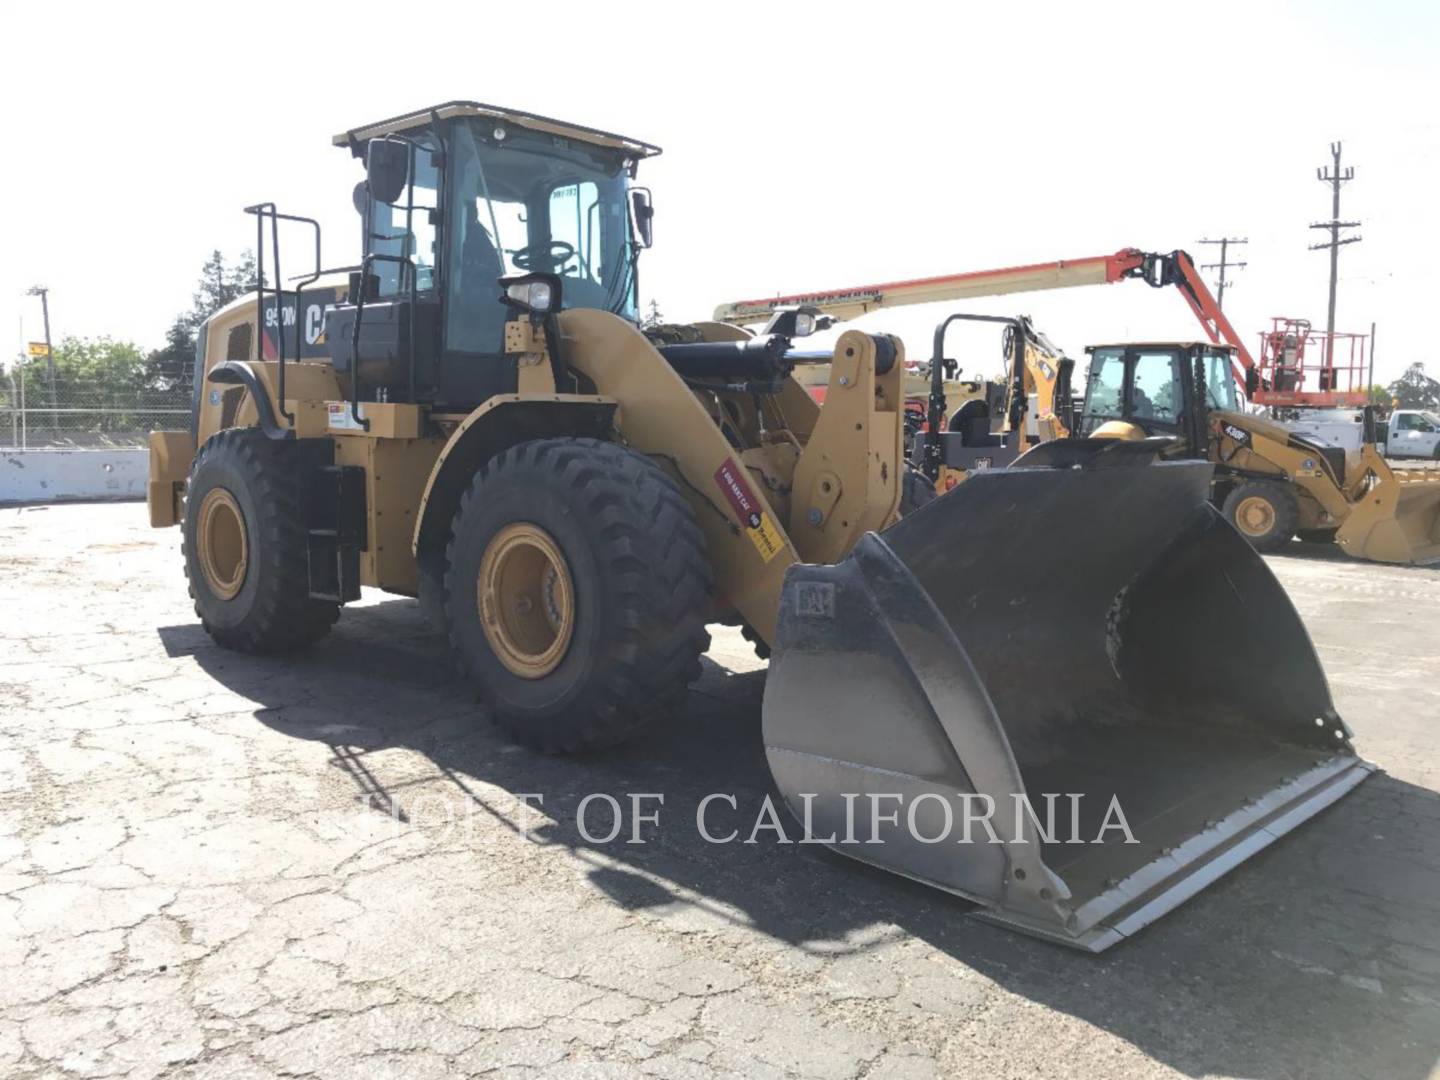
pixel 806 146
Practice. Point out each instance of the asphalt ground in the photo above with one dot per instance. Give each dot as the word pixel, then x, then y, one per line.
pixel 322 865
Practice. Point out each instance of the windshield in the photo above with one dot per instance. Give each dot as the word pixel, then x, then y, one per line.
pixel 1155 396
pixel 531 202
pixel 1220 381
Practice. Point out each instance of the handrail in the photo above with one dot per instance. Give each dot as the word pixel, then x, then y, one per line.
pixel 262 211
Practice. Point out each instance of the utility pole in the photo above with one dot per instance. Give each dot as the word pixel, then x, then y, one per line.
pixel 1335 176
pixel 1224 263
pixel 44 294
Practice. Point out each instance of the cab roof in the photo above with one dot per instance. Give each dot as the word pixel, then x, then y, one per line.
pixel 356 137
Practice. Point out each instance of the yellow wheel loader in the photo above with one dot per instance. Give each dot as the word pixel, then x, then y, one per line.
pixel 473 417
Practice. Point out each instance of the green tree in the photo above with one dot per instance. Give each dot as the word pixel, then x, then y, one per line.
pixel 172 365
pixel 652 318
pixel 1415 389
pixel 101 376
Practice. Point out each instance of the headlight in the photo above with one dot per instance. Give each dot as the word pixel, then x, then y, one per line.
pixel 537 294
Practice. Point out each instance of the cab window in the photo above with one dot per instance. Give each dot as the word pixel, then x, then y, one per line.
pixel 574 210
pixel 1156 392
pixel 1220 382
pixel 526 202
pixel 407 230
pixel 1105 393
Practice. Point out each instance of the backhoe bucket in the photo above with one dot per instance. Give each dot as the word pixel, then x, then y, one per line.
pixel 1397 520
pixel 1093 655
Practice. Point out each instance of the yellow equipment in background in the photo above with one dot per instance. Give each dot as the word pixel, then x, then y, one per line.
pixel 1271 483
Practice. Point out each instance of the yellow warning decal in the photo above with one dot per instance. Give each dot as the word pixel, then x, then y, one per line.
pixel 758 526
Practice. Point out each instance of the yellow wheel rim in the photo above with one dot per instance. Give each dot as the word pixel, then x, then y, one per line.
pixel 1255 516
pixel 223 548
pixel 526 599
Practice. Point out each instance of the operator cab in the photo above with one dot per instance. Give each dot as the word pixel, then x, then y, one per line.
pixel 1155 385
pixel 456 198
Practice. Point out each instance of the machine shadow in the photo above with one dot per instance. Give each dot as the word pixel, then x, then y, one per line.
pixel 1319 957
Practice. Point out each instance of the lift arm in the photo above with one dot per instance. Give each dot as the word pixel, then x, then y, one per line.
pixel 1158 270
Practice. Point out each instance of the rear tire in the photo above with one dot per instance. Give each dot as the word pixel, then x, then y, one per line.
pixel 244 542
pixel 576 592
pixel 1264 512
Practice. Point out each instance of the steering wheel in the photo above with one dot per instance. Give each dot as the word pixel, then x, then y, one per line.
pixel 553 254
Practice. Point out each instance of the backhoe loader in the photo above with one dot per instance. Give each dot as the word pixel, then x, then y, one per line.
pixel 473 417
pixel 1270 482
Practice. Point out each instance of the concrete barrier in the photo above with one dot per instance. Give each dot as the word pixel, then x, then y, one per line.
pixel 42 476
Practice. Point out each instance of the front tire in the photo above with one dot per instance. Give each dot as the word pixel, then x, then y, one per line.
pixel 576 592
pixel 244 542
pixel 1264 512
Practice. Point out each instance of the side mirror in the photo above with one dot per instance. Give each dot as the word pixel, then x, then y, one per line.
pixel 387 168
pixel 1252 382
pixel 644 214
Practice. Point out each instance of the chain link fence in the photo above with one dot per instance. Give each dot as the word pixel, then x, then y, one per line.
pixel 85 414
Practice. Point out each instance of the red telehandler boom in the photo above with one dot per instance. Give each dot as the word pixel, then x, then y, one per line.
pixel 1279 378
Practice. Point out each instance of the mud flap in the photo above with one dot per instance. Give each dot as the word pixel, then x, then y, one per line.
pixel 1051 644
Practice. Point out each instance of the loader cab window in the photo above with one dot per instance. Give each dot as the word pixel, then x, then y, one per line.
pixel 574 222
pixel 1105 391
pixel 1155 390
pixel 524 202
pixel 1220 381
pixel 1135 384
pixel 407 229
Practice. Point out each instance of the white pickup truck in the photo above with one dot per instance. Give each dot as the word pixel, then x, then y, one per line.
pixel 1412 433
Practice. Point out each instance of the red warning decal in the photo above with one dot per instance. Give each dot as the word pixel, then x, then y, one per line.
pixel 758 527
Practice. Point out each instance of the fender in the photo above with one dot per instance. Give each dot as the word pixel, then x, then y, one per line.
pixel 239 372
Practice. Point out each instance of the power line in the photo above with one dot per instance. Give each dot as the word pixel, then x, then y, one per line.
pixel 1335 176
pixel 1224 263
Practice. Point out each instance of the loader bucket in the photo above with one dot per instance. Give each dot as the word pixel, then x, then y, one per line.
pixel 1096 634
pixel 1397 520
